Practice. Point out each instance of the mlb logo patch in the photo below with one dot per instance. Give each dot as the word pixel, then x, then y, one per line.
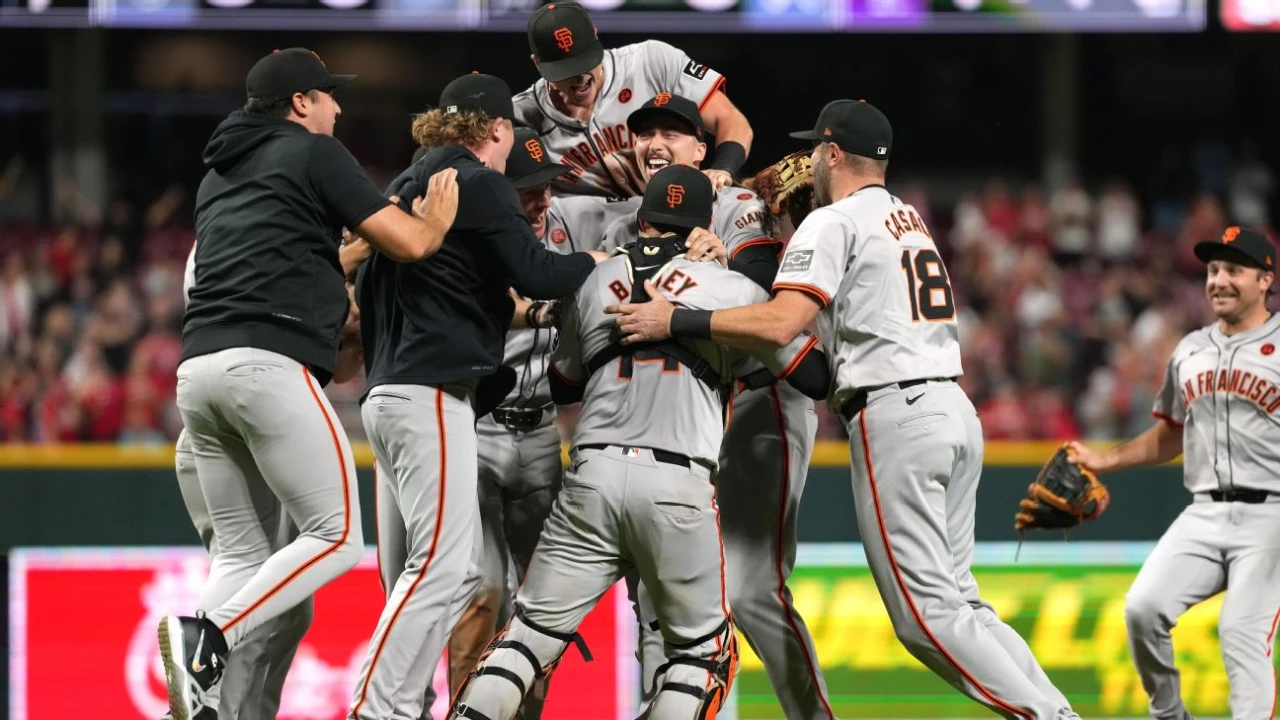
pixel 796 261
pixel 631 451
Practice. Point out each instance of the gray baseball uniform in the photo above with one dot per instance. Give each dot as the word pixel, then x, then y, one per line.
pixel 764 461
pixel 600 151
pixel 888 326
pixel 255 479
pixel 254 679
pixel 519 461
pixel 520 454
pixel 1223 392
pixel 428 470
pixel 637 493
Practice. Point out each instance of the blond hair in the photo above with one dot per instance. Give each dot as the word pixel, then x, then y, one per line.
pixel 435 128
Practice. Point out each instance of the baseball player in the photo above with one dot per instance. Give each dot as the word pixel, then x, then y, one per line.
pixel 638 491
pixel 433 336
pixel 581 104
pixel 866 268
pixel 668 130
pixel 260 340
pixel 519 462
pixel 768 441
pixel 255 674
pixel 1219 407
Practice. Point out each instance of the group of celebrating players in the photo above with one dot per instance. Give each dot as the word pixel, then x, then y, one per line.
pixel 573 244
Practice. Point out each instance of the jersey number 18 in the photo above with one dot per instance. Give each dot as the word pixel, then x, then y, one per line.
pixel 932 297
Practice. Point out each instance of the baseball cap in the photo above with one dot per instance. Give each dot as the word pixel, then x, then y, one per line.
pixel 678 195
pixel 1245 246
pixel 665 103
pixel 563 40
pixel 476 91
pixel 855 125
pixel 528 164
pixel 285 72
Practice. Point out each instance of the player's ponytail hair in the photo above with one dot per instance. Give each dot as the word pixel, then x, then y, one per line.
pixel 435 128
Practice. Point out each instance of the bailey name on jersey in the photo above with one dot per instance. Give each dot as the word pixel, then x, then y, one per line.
pixel 673 281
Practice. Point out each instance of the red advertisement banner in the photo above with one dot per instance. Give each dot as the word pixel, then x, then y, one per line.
pixel 83 639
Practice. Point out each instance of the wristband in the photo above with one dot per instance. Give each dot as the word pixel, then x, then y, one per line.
pixel 730 157
pixel 531 313
pixel 688 323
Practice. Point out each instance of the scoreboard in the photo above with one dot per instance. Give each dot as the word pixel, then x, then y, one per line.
pixel 730 16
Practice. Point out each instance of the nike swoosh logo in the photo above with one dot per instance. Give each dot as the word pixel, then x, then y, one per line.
pixel 910 401
pixel 195 661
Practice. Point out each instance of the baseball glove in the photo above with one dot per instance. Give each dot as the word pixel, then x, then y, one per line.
pixel 778 183
pixel 1062 496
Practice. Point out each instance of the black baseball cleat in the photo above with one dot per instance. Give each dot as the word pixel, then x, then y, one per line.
pixel 194 654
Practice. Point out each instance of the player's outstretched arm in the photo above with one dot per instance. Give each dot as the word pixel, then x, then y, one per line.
pixel 410 237
pixel 766 325
pixel 733 138
pixel 1161 443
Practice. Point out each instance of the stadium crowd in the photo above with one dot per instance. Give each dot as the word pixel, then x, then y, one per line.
pixel 1070 301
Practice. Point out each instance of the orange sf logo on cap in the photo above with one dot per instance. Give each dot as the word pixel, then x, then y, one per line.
pixel 661 99
pixel 534 148
pixel 1231 234
pixel 313 52
pixel 675 195
pixel 564 38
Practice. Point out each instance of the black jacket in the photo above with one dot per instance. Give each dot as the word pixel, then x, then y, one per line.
pixel 269 216
pixel 445 319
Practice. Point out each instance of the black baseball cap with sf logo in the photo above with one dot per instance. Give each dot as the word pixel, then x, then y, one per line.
pixel 563 41
pixel 668 105
pixel 855 125
pixel 679 196
pixel 528 165
pixel 1244 246
pixel 285 72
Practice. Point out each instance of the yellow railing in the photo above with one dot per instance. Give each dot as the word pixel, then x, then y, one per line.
pixel 827 454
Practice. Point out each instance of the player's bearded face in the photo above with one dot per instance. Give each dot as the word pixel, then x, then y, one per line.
pixel 666 144
pixel 535 201
pixel 821 177
pixel 1234 290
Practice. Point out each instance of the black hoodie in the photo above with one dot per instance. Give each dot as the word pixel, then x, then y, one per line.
pixel 444 319
pixel 269 218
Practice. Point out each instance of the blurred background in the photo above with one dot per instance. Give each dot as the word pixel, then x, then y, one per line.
pixel 1066 154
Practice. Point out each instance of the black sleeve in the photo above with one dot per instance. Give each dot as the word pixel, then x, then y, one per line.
pixel 812 376
pixel 562 393
pixel 535 271
pixel 758 262
pixel 341 182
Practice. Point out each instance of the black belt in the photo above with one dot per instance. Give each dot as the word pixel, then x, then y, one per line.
pixel 1239 495
pixel 660 455
pixel 858 400
pixel 518 418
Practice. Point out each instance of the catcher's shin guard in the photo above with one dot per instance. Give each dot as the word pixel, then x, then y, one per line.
pixel 522 653
pixel 696 681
